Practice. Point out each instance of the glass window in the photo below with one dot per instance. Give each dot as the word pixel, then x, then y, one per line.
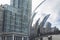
pixel 25 19
pixel 17 38
pixel 18 3
pixel 25 30
pixel 12 22
pixel 9 38
pixel 8 26
pixel 13 3
pixel 17 29
pixel 25 38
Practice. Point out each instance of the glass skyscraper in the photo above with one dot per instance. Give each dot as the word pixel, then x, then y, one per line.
pixel 16 20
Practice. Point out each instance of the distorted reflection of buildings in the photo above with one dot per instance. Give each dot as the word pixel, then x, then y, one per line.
pixel 46 29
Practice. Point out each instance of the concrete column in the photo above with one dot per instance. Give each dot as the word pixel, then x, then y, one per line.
pixel 5 37
pixel 13 36
pixel 0 38
pixel 22 38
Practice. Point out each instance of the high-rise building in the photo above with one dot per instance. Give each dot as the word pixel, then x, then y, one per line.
pixel 1 19
pixel 48 27
pixel 16 20
pixel 21 3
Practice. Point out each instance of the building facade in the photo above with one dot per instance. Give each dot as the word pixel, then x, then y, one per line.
pixel 16 20
pixel 1 17
pixel 1 20
pixel 48 27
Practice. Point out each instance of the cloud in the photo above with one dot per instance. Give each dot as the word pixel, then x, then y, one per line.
pixel 57 8
pixel 4 2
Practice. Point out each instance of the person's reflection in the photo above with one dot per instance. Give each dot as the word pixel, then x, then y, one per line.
pixel 50 38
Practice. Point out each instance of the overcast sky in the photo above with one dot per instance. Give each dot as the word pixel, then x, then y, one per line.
pixel 48 7
pixel 4 2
